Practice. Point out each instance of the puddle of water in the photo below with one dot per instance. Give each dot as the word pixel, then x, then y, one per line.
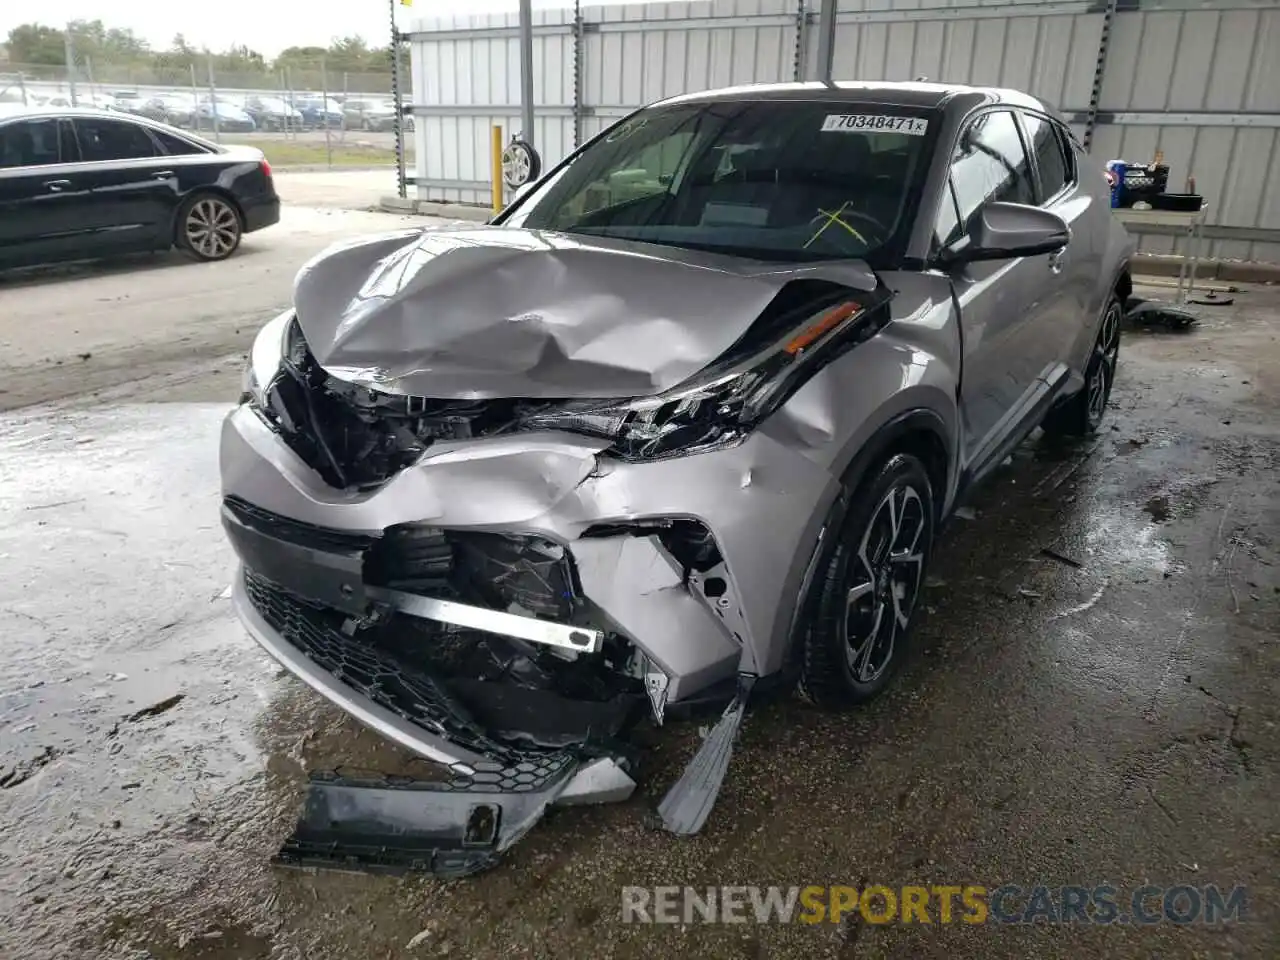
pixel 1122 536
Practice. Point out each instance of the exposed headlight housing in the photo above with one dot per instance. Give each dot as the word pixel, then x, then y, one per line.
pixel 269 348
pixel 721 406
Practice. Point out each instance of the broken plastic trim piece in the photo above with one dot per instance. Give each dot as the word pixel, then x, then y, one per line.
pixel 563 636
pixel 656 685
pixel 685 808
pixel 448 829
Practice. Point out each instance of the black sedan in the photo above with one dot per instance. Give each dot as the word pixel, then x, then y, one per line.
pixel 80 184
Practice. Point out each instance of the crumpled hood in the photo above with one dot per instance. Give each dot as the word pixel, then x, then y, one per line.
pixel 502 312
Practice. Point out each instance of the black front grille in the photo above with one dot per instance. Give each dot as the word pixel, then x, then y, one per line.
pixel 410 693
pixel 295 531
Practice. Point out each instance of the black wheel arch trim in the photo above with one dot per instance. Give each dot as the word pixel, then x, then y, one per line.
pixel 888 438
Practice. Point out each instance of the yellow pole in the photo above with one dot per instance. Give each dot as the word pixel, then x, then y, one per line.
pixel 496 171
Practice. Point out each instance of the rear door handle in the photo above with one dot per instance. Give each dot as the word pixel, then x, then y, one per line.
pixel 57 186
pixel 162 175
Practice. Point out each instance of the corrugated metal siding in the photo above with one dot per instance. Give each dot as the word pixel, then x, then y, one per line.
pixel 1050 54
pixel 1170 56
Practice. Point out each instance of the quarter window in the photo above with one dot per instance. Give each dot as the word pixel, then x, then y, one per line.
pixel 29 143
pixel 113 140
pixel 176 146
pixel 1051 157
pixel 990 164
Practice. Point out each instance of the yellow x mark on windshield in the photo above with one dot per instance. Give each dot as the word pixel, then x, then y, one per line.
pixel 835 218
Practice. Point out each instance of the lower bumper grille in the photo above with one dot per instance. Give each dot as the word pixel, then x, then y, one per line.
pixel 357 661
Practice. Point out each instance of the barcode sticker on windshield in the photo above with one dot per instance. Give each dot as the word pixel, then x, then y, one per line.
pixel 875 123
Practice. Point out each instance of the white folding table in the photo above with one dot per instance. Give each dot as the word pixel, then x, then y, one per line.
pixel 1192 222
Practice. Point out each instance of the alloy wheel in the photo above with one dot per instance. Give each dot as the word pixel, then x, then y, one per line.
pixel 516 167
pixel 212 228
pixel 885 577
pixel 1104 373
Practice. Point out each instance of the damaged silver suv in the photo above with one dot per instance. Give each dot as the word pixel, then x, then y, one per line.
pixel 678 426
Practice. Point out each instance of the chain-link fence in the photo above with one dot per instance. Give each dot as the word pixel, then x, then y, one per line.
pixel 298 115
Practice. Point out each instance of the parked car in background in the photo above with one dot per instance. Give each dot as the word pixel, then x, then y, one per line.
pixel 128 101
pixel 79 184
pixel 172 108
pixel 317 111
pixel 272 113
pixel 163 109
pixel 222 115
pixel 364 114
pixel 89 101
pixel 484 509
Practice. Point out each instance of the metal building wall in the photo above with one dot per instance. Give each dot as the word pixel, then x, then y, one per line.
pixel 1203 85
pixel 466 78
pixel 1048 49
pixel 1199 79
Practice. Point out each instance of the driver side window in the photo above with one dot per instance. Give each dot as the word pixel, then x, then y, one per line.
pixel 990 164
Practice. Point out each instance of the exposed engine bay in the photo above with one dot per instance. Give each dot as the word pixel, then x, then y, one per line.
pixel 358 437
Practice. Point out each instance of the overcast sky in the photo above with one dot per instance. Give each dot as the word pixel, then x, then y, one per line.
pixel 267 27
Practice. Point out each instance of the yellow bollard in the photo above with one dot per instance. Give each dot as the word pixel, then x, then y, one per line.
pixel 496 171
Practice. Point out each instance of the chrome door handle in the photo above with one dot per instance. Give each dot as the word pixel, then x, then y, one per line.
pixel 162 175
pixel 57 186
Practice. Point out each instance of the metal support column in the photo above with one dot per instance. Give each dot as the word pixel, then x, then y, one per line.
pixel 69 55
pixel 802 42
pixel 526 72
pixel 1099 69
pixel 397 102
pixel 826 41
pixel 579 40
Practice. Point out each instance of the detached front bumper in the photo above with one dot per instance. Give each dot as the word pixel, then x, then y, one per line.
pixel 308 586
pixel 488 797
pixel 761 501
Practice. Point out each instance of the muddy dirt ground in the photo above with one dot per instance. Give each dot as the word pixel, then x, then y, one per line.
pixel 1093 695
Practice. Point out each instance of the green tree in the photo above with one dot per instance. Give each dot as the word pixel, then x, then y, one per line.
pixel 241 60
pixel 178 58
pixel 114 47
pixel 343 55
pixel 37 44
pixel 301 58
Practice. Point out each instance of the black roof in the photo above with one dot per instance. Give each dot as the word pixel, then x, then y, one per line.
pixel 919 94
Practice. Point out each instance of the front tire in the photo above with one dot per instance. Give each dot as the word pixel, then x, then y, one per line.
pixel 869 588
pixel 1081 415
pixel 209 227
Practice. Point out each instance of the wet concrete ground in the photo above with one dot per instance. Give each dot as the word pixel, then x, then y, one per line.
pixel 1092 699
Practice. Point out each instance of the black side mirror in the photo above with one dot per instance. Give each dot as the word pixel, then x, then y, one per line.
pixel 1003 231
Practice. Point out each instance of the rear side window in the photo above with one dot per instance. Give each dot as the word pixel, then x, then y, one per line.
pixel 1052 159
pixel 113 140
pixel 30 143
pixel 176 146
pixel 990 164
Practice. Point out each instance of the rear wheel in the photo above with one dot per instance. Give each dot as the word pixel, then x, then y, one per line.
pixel 869 587
pixel 209 227
pixel 1081 415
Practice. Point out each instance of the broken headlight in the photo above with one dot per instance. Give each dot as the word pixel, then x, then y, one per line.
pixel 268 349
pixel 720 406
